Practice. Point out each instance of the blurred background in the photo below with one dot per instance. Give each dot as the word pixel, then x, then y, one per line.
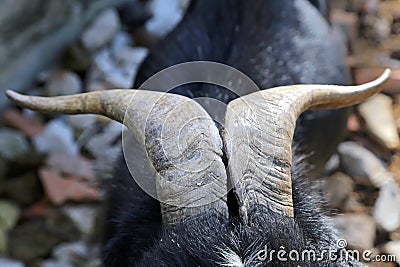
pixel 50 196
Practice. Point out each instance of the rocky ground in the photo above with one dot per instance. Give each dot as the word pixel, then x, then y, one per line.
pixel 50 195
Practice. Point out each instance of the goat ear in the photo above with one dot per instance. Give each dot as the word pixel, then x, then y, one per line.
pixel 259 132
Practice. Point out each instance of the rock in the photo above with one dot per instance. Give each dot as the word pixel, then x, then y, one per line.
pixel 362 164
pixel 389 9
pixel 9 214
pixel 185 4
pixel 55 263
pixel 393 248
pixel 117 70
pixel 81 121
pixel 3 170
pixel 347 21
pixel 59 189
pixel 385 60
pixel 37 210
pixel 30 161
pixel 67 252
pixel 74 262
pixel 396 114
pixel 332 165
pixel 129 60
pixel 63 83
pixel 57 137
pixel 166 14
pixel 13 144
pixel 134 14
pixel 61 225
pixel 94 86
pixel 353 124
pixel 28 126
pixel 103 61
pixel 10 263
pixel 74 254
pixel 96 236
pixel 386 210
pixel 121 40
pixel 36 239
pixel 368 6
pixel 395 235
pixel 378 115
pixel 394 167
pixel 76 58
pixel 357 229
pixel 24 190
pixel 132 56
pixel 337 189
pixel 105 141
pixel 395 54
pixel 30 114
pixel 354 205
pixel 30 46
pixel 83 216
pixel 71 165
pixel 3 243
pixel 102 30
pixel 381 28
pixel 371 145
pixel 105 70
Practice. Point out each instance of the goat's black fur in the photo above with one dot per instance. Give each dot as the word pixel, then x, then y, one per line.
pixel 255 37
pixel 137 238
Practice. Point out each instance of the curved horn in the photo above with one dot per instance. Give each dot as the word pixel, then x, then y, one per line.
pixel 261 126
pixel 181 140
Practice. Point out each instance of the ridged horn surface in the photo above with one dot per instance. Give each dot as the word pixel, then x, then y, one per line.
pixel 258 136
pixel 181 140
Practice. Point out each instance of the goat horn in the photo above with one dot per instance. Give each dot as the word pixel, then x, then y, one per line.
pixel 261 126
pixel 181 140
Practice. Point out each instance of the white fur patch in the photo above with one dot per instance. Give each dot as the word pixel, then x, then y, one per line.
pixel 231 259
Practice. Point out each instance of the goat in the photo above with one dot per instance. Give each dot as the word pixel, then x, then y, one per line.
pixel 197 220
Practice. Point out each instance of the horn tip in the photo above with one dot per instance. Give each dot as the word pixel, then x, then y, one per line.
pixel 380 81
pixel 386 73
pixel 13 96
pixel 9 92
pixel 18 99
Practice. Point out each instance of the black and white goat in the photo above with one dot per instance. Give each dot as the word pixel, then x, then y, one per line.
pixel 198 220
